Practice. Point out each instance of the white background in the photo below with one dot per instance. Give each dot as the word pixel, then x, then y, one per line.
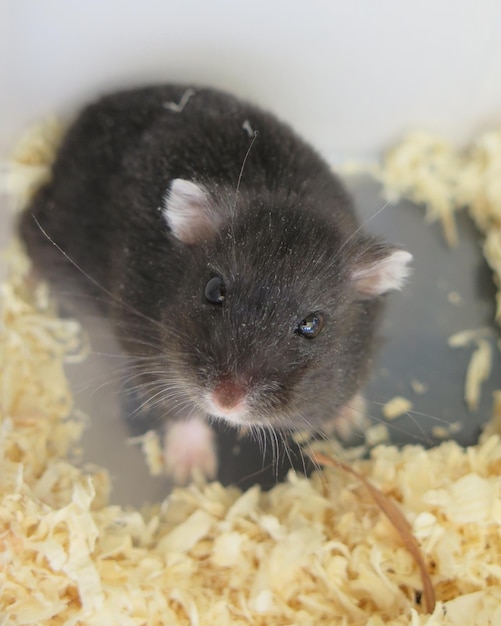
pixel 350 75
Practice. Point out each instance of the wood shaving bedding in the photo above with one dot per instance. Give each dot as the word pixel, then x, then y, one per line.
pixel 428 170
pixel 419 387
pixel 423 168
pixel 310 551
pixel 478 372
pixel 396 407
pixel 152 450
pixel 448 431
pixel 479 367
pixel 30 161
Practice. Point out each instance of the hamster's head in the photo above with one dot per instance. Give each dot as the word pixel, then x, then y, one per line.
pixel 275 313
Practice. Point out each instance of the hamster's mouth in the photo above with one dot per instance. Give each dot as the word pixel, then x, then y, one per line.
pixel 241 416
pixel 238 414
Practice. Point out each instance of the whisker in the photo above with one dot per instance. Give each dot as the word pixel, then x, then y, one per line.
pixel 255 474
pixel 362 226
pixel 411 413
pixel 288 453
pixel 90 278
pixel 237 190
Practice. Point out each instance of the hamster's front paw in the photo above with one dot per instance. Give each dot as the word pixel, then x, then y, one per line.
pixel 189 445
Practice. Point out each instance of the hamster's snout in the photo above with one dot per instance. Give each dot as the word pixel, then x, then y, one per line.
pixel 228 400
pixel 228 394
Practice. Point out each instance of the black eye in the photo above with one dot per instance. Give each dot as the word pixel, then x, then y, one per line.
pixel 215 291
pixel 311 326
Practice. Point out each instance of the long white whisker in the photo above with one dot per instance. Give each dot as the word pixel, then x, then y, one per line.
pixel 90 278
pixel 237 190
pixel 362 226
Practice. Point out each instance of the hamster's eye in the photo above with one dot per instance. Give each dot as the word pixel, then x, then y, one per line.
pixel 215 291
pixel 311 326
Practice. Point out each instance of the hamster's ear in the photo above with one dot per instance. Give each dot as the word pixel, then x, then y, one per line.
pixel 385 271
pixel 188 212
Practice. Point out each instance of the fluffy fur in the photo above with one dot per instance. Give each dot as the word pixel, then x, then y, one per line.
pixel 286 243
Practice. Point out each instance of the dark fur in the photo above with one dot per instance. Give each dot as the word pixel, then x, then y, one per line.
pixel 288 250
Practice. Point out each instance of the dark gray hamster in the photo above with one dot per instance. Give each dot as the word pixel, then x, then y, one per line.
pixel 227 255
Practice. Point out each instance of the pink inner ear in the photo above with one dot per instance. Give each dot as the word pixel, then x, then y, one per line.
pixel 188 212
pixel 383 275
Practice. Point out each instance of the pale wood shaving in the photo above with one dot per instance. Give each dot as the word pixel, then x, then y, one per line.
pixel 396 407
pixel 477 373
pixel 428 170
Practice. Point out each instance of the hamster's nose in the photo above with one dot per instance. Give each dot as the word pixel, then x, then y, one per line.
pixel 228 394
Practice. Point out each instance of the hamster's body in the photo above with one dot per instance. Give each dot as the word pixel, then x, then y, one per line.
pixel 227 255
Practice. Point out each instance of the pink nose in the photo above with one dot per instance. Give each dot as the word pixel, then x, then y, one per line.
pixel 228 394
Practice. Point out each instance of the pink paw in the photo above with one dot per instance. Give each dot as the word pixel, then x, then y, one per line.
pixel 188 446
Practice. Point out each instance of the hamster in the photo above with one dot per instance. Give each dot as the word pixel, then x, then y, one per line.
pixel 227 255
